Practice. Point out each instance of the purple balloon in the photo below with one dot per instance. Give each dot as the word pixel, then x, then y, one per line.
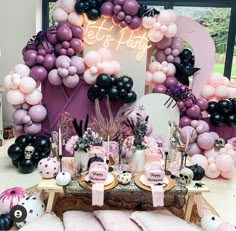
pixel 188 131
pixel 159 89
pixel 30 57
pixel 70 51
pixel 33 129
pixel 49 62
pixel 79 63
pixel 58 48
pixel 64 33
pixel 128 19
pixel 39 59
pixel 121 15
pixel 65 44
pixel 202 103
pixel 71 81
pixel 77 45
pixel 115 19
pixel 184 121
pixel 206 141
pixel 39 73
pixel 18 116
pixel 47 46
pixel 194 149
pixel 131 7
pixel 177 44
pixel 54 78
pixel 160 56
pixel 193 112
pixel 171 82
pixel 164 43
pixel 51 36
pixel 123 24
pixel 107 9
pixel 136 23
pixel 37 113
pixel 117 9
pixel 77 32
pixel 63 51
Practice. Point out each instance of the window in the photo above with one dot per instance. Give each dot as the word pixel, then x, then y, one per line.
pixel 218 16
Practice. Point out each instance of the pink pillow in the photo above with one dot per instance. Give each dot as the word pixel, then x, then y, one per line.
pixel 115 220
pixel 81 221
pixel 48 221
pixel 162 220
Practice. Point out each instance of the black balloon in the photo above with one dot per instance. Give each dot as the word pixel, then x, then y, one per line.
pixel 26 166
pixel 93 14
pixel 44 155
pixel 225 106
pixel 79 7
pixel 212 107
pixel 6 222
pixel 102 92
pixel 230 120
pixel 217 119
pixel 15 151
pixel 126 79
pixel 233 101
pixel 113 94
pixel 128 87
pixel 31 139
pixel 103 81
pixel 15 163
pixel 22 140
pixel 42 143
pixel 114 80
pixel 92 93
pixel 130 97
pixel 120 85
pixel 123 92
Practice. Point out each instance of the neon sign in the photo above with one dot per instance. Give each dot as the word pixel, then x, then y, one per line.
pixel 103 31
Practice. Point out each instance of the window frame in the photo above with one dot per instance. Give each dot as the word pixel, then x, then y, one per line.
pixel 169 4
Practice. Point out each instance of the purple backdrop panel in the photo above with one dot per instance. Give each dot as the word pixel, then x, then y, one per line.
pixel 59 99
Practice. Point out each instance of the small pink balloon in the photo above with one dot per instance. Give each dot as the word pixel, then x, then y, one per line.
pixel 15 97
pixel 18 116
pixel 22 70
pixel 208 92
pixel 61 60
pixel 59 15
pixel 211 160
pixel 63 72
pixel 171 69
pixel 75 19
pixel 148 78
pixel 148 22
pixel 54 78
pixel 26 119
pixel 71 81
pixel 68 5
pixel 215 80
pixel 27 85
pixel 37 113
pixel 195 123
pixel 164 17
pixel 160 56
pixel 92 58
pixel 33 129
pixel 194 149
pixel 72 70
pixel 79 63
pixel 158 77
pixel 155 66
pixel 34 98
pixel 228 174
pixel 116 67
pixel 107 68
pixel 222 92
pixel 211 172
pixel 25 106
pixel 105 54
pixel 205 141
pixel 155 36
pixel 199 160
pixel 215 135
pixel 224 162
pixel 89 78
pixel 171 30
pixel 211 153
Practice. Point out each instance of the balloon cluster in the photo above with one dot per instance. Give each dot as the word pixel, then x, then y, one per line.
pixel 223 112
pixel 218 88
pixel 98 62
pixel 185 68
pixel 217 162
pixel 27 151
pixel 68 71
pixel 123 13
pixel 160 25
pixel 158 73
pixel 116 88
pixel 90 8
pixel 169 49
pixel 65 12
pixel 198 136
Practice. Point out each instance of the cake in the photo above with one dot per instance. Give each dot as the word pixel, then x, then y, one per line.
pixel 154 173
pixel 98 172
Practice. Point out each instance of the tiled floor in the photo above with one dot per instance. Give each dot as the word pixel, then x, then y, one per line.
pixel 222 196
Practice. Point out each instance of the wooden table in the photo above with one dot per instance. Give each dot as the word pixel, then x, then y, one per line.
pixel 50 186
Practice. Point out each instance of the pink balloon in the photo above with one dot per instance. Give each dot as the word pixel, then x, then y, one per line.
pixel 212 171
pixel 211 153
pixel 184 121
pixel 89 78
pixel 226 81
pixel 148 22
pixel 194 149
pixel 37 113
pixel 92 58
pixel 164 43
pixel 105 54
pixel 63 72
pixel 214 134
pixel 155 66
pixel 18 116
pixel 62 60
pixel 116 67
pixel 164 17
pixel 222 92
pixel 18 129
pixel 22 70
pixel 148 78
pixel 75 19
pixel 33 129
pixel 215 80
pixel 202 127
pixel 205 141
pixel 158 77
pixel 27 85
pixel 226 226
pixel 26 119
pixel 200 160
pixel 155 36
pixel 193 112
pixel 34 98
pixel 15 97
pixel 68 5
pixel 225 162
pixel 160 88
pixel 208 92
pixel 59 15
pixel 71 81
pixel 171 82
pixel 228 174
pixel 54 78
pixel 25 106
pixel 107 68
pixel 171 69
pixel 79 63
pixel 171 30
pixel 160 56
pixel 188 131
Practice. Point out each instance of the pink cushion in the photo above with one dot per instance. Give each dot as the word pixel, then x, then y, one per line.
pixel 48 221
pixel 162 220
pixel 81 221
pixel 113 220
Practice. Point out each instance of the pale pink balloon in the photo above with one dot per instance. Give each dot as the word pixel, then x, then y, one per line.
pixel 228 174
pixel 202 127
pixel 107 68
pixel 171 69
pixel 57 4
pixel 25 106
pixel 27 85
pixel 205 141
pixel 226 81
pixel 226 226
pixel 8 81
pixel 228 146
pixel 63 72
pixel 194 123
pixel 200 160
pixel 212 171
pixel 37 113
pixel 211 153
pixel 60 15
pixel 26 119
pixel 222 151
pixel 215 80
pixel 89 78
pixel 148 78
pixel 171 30
pixel 79 63
pixel 164 17
pixel 72 70
pixel 93 70
pixel 105 54
pixel 22 70
pixel 92 58
pixel 75 19
pixel 208 92
pixel 63 61
pixel 216 136
pixel 68 5
pixel 222 92
pixel 18 106
pixel 34 98
pixel 155 66
pixel 225 162
pixel 211 160
pixel 232 92
pixel 18 129
pixel 33 129
pixel 15 97
pixel 158 77
pixel 18 116
pixel 71 81
pixel 194 149
pixel 155 36
pixel 116 67
pixel 54 78
pixel 148 22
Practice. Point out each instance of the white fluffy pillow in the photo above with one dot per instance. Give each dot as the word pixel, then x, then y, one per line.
pixel 161 221
pixel 48 221
pixel 81 221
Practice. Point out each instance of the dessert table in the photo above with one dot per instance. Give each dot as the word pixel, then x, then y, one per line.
pixel 179 196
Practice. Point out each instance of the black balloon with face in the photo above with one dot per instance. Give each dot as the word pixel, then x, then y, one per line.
pixel 217 119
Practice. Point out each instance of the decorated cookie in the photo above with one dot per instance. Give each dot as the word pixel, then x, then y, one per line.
pixel 125 178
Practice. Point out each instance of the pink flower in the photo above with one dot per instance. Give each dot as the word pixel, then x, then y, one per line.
pixel 232 141
pixel 71 144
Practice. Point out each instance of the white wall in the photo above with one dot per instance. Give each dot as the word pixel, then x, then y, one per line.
pixel 19 21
